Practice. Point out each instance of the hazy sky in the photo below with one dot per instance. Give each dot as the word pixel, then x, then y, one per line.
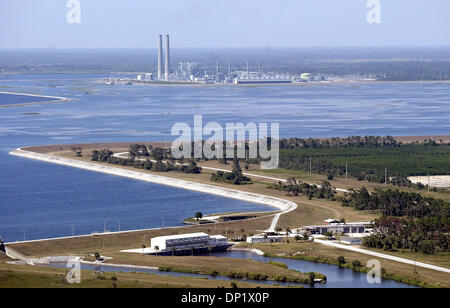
pixel 223 23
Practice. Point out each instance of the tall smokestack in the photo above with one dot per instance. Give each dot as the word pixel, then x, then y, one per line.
pixel 160 55
pixel 167 59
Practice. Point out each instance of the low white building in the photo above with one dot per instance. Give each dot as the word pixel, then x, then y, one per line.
pixel 263 239
pixel 180 241
pixel 217 240
pixel 183 244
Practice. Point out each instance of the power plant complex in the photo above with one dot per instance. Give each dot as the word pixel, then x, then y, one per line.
pixel 194 73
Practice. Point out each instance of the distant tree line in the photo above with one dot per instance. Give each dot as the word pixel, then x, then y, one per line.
pixel 353 141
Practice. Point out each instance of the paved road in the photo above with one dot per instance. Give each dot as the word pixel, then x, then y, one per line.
pixel 382 255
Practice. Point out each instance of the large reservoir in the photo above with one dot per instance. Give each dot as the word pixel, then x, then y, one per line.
pixel 40 200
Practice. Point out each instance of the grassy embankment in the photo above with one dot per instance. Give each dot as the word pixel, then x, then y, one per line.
pixel 233 268
pixel 24 276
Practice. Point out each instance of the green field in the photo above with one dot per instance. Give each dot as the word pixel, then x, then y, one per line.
pixel 370 162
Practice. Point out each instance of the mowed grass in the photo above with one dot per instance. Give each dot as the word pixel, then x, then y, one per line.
pixel 14 276
pixel 131 240
pixel 313 250
pixel 205 264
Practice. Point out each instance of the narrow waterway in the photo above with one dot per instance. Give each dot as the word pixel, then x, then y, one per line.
pixel 336 277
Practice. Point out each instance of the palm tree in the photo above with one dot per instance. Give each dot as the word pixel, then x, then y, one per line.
pixel 173 251
pixel 192 250
pixel 156 249
pixel 210 250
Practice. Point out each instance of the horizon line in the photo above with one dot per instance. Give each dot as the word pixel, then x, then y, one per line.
pixel 234 47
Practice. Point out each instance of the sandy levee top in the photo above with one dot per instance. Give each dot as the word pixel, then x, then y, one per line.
pixel 44 149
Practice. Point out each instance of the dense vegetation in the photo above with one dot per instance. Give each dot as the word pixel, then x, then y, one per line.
pixel 366 158
pixel 396 203
pixel 427 235
pixel 234 177
pixel 147 164
pixel 410 221
pixel 295 188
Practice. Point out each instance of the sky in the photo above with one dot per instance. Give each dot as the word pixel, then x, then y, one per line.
pixel 223 23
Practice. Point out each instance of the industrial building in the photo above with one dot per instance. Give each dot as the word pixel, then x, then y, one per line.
pixel 264 239
pixel 192 72
pixel 260 81
pixel 188 243
pixel 339 228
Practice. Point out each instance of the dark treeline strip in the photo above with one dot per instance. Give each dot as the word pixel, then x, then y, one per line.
pixel 158 166
pixel 352 141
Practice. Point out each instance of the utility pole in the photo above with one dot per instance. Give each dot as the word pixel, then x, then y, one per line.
pixel 104 226
pixel 428 182
pixel 310 165
pixel 73 230
pixel 346 171
pixel 385 177
pixel 415 269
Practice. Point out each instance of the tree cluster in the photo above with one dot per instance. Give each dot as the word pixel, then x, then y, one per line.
pixel 426 235
pixel 235 177
pixel 396 203
pixel 296 188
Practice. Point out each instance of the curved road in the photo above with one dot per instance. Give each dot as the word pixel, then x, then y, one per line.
pixel 384 256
